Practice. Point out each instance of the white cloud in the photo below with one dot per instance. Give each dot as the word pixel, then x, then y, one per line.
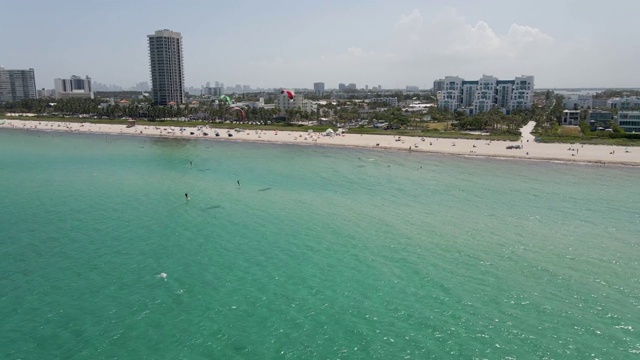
pixel 421 50
pixel 410 24
pixel 449 34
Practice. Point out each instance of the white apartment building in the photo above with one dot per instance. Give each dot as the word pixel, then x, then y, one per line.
pixel 571 117
pixel 283 103
pixel 451 95
pixel 504 88
pixel 468 93
pixel 574 102
pixel 522 93
pixel 74 87
pixel 16 85
pixel 391 101
pixel 167 67
pixel 625 103
pixel 485 94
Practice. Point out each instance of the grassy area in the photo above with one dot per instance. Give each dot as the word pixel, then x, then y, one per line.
pixel 441 126
pixel 589 140
pixel 433 134
pixel 573 131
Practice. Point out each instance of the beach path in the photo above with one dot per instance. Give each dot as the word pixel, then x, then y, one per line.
pixel 526 131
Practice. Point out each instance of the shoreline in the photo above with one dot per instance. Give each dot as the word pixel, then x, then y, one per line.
pixel 602 155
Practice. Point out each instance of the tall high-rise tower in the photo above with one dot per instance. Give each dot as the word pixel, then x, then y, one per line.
pixel 16 85
pixel 167 67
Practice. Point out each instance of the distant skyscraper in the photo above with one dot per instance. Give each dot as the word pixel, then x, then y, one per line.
pixel 75 87
pixel 167 67
pixel 16 85
pixel 318 88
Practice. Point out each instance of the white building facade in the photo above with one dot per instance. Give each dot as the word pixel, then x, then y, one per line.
pixel 391 101
pixel 625 103
pixel 75 87
pixel 283 103
pixel 522 93
pixel 451 95
pixel 478 96
pixel 575 102
pixel 484 94
pixel 571 117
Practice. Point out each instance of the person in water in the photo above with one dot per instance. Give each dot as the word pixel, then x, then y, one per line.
pixel 238 182
pixel 186 195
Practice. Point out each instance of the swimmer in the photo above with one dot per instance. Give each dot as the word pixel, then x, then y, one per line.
pixel 163 276
pixel 238 182
pixel 191 163
pixel 186 195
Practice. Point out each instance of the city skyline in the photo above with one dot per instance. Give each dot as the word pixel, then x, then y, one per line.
pixel 564 44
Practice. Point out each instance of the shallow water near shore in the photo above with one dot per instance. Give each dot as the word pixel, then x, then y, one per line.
pixel 319 252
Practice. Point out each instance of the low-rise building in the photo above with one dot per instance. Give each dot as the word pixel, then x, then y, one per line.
pixel 599 119
pixel 599 103
pixel 283 103
pixel 575 102
pixel 625 103
pixel 74 87
pixel 45 93
pixel 629 121
pixel 571 117
pixel 391 101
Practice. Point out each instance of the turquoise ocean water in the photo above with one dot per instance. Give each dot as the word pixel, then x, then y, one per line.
pixel 320 253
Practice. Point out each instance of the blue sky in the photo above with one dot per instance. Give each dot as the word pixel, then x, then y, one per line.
pixel 289 43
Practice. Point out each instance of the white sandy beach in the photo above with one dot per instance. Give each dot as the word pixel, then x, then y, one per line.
pixel 600 154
